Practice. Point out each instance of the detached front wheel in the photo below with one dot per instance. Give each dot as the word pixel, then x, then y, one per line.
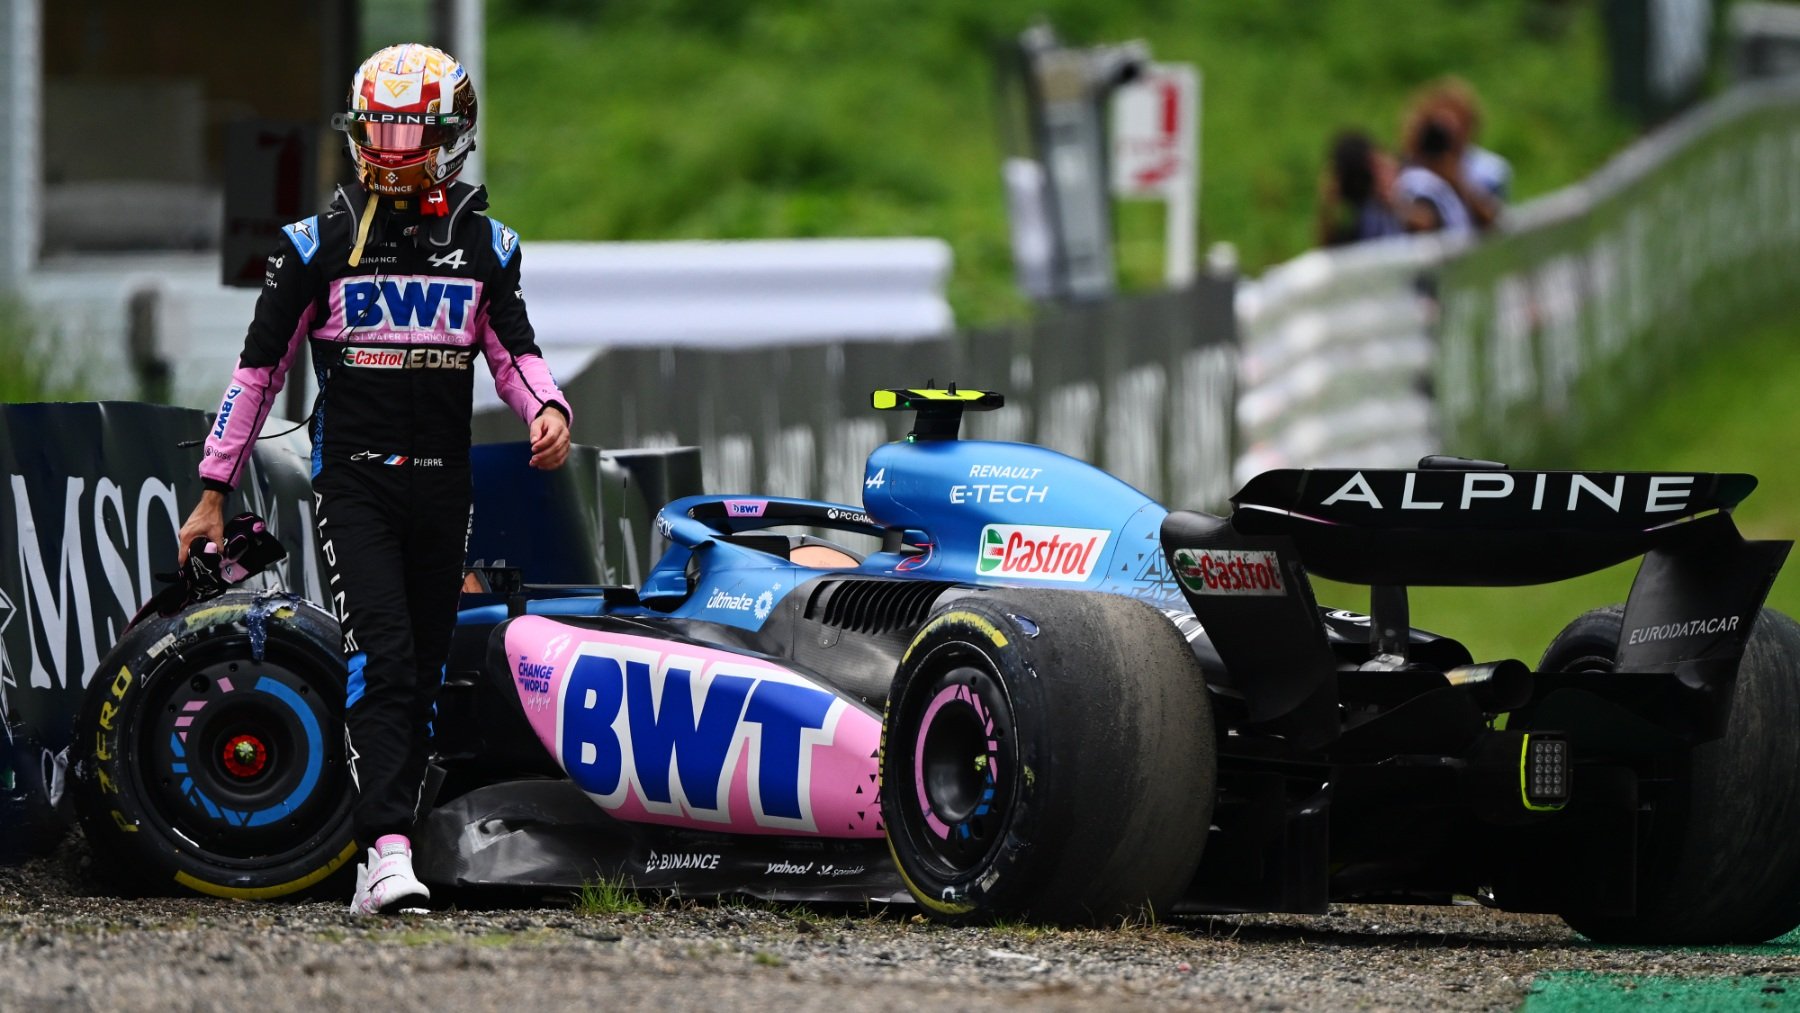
pixel 1047 755
pixel 210 753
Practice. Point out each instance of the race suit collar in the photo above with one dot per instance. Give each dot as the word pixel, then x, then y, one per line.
pixel 352 199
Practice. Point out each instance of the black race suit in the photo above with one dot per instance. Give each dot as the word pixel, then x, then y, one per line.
pixel 394 341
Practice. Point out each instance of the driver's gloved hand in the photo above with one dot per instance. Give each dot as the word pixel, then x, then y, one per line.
pixel 249 548
pixel 198 580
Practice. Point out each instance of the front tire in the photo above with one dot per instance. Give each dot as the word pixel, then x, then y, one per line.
pixel 1719 859
pixel 210 753
pixel 1047 755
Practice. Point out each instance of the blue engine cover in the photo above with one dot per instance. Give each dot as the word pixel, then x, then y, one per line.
pixel 972 512
pixel 1014 513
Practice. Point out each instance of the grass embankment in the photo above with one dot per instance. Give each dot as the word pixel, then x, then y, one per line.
pixel 25 360
pixel 696 119
pixel 1730 412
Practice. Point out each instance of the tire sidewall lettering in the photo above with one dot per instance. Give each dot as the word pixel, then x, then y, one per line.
pixel 112 794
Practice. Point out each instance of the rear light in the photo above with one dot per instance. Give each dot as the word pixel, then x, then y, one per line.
pixel 1544 772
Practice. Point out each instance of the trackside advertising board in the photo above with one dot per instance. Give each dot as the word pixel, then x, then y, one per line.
pixel 93 494
pixel 91 498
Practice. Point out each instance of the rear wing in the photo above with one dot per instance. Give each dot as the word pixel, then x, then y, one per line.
pixel 1689 615
pixel 1476 527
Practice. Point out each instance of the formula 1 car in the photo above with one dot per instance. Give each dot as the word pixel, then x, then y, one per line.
pixel 1040 695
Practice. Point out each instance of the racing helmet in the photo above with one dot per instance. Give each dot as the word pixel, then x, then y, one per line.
pixel 411 120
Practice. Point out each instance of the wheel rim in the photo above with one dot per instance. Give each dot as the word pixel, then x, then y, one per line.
pixel 963 764
pixel 236 757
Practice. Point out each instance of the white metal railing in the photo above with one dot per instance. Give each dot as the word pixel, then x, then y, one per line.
pixel 1334 347
pixel 584 298
pixel 1378 353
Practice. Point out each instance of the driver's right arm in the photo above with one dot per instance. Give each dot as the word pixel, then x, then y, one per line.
pixel 284 314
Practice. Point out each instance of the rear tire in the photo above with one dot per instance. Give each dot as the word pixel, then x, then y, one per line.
pixel 202 767
pixel 1719 859
pixel 1047 755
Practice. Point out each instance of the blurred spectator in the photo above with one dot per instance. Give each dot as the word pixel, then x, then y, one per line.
pixel 1481 167
pixel 1432 192
pixel 1356 195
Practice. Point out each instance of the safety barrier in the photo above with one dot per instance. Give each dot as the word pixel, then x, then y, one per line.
pixel 1553 329
pixel 1142 386
pixel 121 318
pixel 1519 346
pixel 1336 346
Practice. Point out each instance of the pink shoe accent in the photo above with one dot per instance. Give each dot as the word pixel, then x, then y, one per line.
pixel 386 881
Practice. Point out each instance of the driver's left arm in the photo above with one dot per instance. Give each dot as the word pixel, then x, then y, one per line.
pixel 509 344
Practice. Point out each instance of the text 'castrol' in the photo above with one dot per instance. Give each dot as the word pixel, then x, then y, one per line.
pixel 1040 552
pixel 1229 571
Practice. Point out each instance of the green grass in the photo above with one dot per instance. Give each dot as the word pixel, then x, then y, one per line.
pixel 1019 930
pixel 603 896
pixel 424 937
pixel 710 119
pixel 1707 422
pixel 24 348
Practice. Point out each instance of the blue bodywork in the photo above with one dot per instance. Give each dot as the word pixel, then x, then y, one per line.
pixel 970 512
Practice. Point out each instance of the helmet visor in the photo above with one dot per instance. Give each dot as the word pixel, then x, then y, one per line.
pixel 378 131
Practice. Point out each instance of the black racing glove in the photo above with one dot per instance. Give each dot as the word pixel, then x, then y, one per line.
pixel 249 549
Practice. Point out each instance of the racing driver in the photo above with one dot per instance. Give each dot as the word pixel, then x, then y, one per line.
pixel 397 286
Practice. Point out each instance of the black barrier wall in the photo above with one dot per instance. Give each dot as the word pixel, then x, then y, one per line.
pixel 91 498
pixel 1142 386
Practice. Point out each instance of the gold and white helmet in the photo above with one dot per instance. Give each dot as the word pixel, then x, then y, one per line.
pixel 411 119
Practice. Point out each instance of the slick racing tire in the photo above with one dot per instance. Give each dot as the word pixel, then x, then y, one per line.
pixel 210 753
pixel 1047 755
pixel 1719 857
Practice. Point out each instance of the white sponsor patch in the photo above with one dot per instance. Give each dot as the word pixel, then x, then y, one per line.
pixel 1040 552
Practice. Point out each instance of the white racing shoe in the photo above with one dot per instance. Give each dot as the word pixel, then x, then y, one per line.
pixel 385 884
